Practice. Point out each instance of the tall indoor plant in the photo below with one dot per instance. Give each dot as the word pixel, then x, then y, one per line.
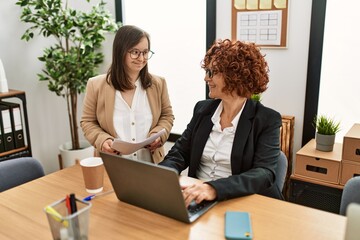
pixel 326 129
pixel 75 55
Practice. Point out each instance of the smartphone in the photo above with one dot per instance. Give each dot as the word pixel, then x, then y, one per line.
pixel 238 226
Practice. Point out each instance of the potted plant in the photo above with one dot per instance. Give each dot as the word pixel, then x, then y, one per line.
pixel 326 129
pixel 75 55
pixel 256 97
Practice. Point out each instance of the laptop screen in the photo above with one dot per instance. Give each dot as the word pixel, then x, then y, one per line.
pixel 149 186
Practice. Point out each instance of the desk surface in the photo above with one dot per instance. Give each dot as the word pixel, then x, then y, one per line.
pixel 22 216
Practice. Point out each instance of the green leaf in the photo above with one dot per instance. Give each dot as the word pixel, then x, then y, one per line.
pixel 326 125
pixel 75 55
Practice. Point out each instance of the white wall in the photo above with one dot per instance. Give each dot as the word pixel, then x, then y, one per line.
pixel 179 46
pixel 46 111
pixel 339 86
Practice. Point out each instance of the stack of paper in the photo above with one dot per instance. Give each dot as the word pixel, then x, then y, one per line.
pixel 130 147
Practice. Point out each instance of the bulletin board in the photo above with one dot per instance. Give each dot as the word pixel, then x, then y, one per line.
pixel 263 22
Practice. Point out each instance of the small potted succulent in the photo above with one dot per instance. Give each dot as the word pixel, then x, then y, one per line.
pixel 326 129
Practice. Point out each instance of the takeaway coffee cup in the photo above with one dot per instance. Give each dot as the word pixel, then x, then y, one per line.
pixel 93 172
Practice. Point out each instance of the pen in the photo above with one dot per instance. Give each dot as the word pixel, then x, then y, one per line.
pixel 90 197
pixel 68 206
pixel 73 203
pixel 56 216
pixel 75 221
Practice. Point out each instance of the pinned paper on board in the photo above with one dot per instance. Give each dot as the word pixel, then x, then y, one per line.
pixel 263 22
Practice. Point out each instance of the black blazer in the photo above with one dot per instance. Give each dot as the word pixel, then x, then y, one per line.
pixel 254 154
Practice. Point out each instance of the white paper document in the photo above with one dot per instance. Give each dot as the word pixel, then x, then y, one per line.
pixel 130 147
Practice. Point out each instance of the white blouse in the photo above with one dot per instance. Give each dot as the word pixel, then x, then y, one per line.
pixel 132 124
pixel 215 161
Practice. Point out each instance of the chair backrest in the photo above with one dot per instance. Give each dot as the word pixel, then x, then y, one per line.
pixel 281 171
pixel 352 230
pixel 350 194
pixel 14 172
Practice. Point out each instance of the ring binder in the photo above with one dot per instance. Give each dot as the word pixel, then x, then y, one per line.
pixel 16 96
pixel 6 128
pixel 16 123
pixel 2 147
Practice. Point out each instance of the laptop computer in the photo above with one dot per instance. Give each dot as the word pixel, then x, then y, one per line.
pixel 352 231
pixel 152 187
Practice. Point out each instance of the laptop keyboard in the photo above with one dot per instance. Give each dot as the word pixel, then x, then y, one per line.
pixel 194 208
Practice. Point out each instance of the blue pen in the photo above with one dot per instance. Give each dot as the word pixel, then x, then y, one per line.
pixel 90 197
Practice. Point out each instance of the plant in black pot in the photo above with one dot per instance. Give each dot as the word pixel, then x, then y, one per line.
pixel 326 129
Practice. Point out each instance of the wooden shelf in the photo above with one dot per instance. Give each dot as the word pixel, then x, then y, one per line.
pixel 23 151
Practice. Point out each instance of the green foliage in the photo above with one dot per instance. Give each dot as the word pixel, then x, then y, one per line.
pixel 325 125
pixel 256 97
pixel 76 55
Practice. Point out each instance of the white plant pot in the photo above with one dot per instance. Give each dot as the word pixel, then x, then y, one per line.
pixel 69 157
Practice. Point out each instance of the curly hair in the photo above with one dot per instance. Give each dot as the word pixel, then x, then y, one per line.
pixel 242 65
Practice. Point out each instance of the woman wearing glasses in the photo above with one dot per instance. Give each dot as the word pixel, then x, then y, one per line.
pixel 128 102
pixel 232 142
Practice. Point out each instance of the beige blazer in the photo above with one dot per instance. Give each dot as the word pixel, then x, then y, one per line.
pixel 97 118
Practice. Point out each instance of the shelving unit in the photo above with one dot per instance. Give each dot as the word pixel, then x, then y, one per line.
pixel 24 151
pixel 315 179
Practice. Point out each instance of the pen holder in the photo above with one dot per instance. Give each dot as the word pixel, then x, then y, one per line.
pixel 66 226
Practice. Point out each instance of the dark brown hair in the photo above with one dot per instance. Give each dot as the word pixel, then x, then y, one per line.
pixel 126 38
pixel 242 65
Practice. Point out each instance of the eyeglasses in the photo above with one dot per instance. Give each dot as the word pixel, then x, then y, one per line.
pixel 135 54
pixel 210 72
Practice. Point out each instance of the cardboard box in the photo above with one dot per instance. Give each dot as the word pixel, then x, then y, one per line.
pixel 349 169
pixel 315 164
pixel 351 144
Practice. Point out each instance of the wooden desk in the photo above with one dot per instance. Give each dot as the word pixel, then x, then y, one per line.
pixel 22 216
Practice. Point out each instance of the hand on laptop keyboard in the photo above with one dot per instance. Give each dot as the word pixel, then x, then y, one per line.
pixel 198 192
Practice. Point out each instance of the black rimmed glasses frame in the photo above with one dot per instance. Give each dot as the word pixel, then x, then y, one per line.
pixel 135 54
pixel 210 73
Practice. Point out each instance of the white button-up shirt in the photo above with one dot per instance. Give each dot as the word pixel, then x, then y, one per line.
pixel 215 160
pixel 132 123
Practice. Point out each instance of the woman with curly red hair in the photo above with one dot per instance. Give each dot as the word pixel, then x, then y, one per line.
pixel 232 142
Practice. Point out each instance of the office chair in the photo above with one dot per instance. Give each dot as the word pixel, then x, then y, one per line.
pixel 14 172
pixel 350 194
pixel 281 171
